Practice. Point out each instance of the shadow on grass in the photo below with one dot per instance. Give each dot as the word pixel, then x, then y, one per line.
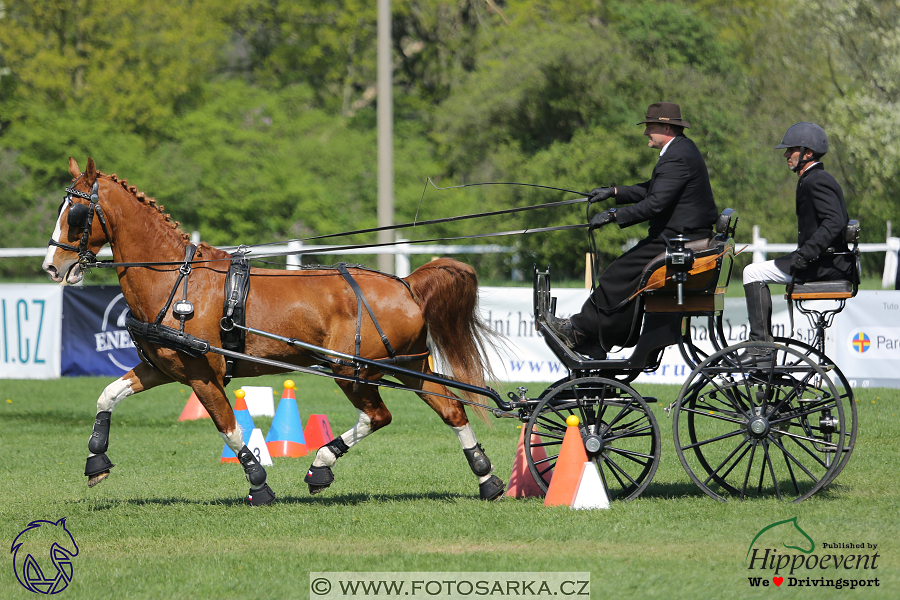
pixel 339 500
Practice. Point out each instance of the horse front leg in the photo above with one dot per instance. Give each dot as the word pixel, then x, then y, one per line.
pixel 212 396
pixel 142 377
pixel 453 413
pixel 372 415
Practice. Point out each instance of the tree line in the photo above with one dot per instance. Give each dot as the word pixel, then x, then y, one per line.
pixel 254 120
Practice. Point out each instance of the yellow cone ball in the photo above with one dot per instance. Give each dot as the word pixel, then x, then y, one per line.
pixel 239 394
pixel 288 384
pixel 572 421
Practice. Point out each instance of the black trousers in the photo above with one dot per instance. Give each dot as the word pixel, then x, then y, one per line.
pixel 607 314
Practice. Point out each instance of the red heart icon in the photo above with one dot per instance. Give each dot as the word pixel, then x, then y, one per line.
pixel 778 580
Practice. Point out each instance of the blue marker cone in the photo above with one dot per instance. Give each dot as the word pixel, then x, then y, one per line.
pixel 242 415
pixel 285 438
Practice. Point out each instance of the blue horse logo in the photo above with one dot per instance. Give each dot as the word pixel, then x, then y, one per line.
pixel 34 544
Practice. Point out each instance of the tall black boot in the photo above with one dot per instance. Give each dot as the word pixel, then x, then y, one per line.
pixel 759 314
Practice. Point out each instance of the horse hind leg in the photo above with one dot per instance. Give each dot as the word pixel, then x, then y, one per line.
pixel 142 377
pixel 453 413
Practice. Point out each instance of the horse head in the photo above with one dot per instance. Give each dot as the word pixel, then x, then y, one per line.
pixel 81 229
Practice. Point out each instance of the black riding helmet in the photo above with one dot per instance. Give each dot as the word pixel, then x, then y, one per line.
pixel 805 136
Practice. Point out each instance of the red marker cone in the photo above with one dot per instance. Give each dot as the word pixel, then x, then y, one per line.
pixel 285 437
pixel 317 432
pixel 521 481
pixel 569 465
pixel 193 410
pixel 242 415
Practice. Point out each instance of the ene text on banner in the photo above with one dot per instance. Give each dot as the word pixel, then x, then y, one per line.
pixel 94 338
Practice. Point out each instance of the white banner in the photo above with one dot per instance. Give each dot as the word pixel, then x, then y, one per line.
pixel 867 339
pixel 30 328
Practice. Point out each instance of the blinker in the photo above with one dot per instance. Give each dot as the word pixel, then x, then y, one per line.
pixel 78 216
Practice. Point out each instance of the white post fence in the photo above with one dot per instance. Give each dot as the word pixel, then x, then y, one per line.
pixel 759 246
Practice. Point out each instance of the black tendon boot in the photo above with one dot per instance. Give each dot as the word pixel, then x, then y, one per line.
pixel 759 314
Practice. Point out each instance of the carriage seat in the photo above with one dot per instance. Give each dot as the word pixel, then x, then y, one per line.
pixel 832 290
pixel 704 289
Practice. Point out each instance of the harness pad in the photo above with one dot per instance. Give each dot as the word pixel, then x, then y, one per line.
pixel 237 288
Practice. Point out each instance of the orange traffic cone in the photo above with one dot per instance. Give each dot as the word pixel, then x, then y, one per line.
pixel 521 481
pixel 285 437
pixel 317 432
pixel 193 410
pixel 569 465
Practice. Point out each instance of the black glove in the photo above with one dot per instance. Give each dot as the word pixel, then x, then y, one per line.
pixel 601 219
pixel 798 263
pixel 599 194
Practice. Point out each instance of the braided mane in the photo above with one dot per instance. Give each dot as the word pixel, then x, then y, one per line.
pixel 142 197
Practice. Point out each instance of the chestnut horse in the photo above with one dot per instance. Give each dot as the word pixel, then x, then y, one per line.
pixel 318 307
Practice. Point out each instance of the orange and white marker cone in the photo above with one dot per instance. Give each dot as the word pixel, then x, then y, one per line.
pixel 285 437
pixel 317 432
pixel 521 481
pixel 193 410
pixel 242 416
pixel 569 465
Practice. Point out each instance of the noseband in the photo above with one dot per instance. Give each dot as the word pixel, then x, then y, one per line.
pixel 82 217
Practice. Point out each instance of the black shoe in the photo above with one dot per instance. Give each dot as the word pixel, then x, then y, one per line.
pixel 563 329
pixel 755 357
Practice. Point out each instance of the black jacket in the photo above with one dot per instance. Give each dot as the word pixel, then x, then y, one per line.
pixel 821 219
pixel 678 197
pixel 677 200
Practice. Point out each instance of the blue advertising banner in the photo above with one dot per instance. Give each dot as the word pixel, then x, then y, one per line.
pixel 94 338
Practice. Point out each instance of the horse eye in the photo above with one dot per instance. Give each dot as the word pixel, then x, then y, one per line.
pixel 78 216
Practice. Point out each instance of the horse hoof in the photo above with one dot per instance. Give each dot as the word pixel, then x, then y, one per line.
pixel 261 496
pixel 315 489
pixel 95 479
pixel 318 478
pixel 492 488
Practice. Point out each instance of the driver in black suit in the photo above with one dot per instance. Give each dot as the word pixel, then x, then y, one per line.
pixel 677 200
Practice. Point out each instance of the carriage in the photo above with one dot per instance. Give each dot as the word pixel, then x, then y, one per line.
pixel 784 429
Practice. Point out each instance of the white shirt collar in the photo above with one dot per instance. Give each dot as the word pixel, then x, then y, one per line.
pixel 663 151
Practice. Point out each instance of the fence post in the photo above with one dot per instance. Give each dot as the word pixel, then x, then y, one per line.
pixel 889 278
pixel 294 260
pixel 401 259
pixel 759 255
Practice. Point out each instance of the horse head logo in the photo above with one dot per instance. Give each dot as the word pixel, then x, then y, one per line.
pixel 784 532
pixel 32 548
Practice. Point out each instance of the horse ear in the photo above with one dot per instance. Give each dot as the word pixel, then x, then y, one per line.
pixel 90 172
pixel 73 168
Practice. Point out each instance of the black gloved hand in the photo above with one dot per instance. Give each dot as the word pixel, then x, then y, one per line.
pixel 798 263
pixel 599 194
pixel 601 219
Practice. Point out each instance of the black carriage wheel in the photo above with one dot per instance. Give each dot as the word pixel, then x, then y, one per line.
pixel 619 430
pixel 847 400
pixel 757 432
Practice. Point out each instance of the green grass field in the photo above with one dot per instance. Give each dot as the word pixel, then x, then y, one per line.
pixel 171 521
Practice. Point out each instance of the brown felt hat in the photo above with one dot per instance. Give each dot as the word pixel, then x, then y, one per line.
pixel 665 113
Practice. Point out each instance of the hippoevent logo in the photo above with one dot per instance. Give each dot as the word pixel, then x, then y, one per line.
pixel 42 556
pixel 833 564
pixel 860 342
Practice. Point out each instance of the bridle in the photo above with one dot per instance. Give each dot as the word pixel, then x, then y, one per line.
pixel 82 217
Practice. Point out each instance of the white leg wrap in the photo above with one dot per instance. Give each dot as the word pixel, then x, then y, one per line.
pixel 466 436
pixel 326 458
pixel 114 393
pixel 235 439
